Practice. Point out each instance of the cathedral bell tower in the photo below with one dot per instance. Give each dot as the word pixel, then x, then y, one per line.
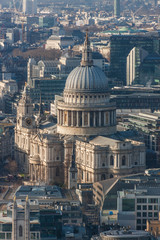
pixel 72 173
pixel 25 116
pixel 24 129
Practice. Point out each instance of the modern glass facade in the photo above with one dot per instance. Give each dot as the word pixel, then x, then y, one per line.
pixel 120 46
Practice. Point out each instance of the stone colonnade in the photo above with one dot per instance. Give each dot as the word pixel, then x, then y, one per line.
pixel 39 173
pixel 86 118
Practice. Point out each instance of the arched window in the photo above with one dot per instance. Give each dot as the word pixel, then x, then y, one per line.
pixel 103 177
pixel 20 231
pixel 82 174
pixel 57 171
pixel 123 161
pixel 111 160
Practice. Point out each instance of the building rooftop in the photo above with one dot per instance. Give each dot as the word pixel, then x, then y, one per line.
pixel 125 233
pixel 38 192
pixel 104 141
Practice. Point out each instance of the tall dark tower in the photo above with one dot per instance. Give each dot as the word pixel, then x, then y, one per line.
pixel 155 3
pixel 117 8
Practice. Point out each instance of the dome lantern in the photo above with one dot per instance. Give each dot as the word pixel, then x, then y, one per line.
pixel 86 53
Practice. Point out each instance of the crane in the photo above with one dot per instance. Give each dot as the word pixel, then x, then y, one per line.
pixel 16 5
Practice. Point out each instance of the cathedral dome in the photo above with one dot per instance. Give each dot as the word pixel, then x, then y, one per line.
pixel 86 79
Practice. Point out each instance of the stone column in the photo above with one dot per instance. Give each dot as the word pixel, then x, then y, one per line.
pixel 31 172
pixel 119 164
pixel 115 162
pixel 77 119
pixel 94 119
pixel 29 169
pixel 63 118
pixel 109 118
pixel 49 175
pixel 46 174
pixel 39 172
pixel 82 119
pixel 112 118
pixel 99 119
pixel 60 117
pixel 67 118
pixel 72 123
pixel 88 119
pixel 42 173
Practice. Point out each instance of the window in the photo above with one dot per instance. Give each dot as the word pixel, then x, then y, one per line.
pixel 57 171
pixel 141 200
pixel 150 207
pixel 65 118
pixel 73 175
pixel 144 214
pixel 20 231
pixel 33 236
pixel 86 118
pixel 9 236
pixel 138 221
pixel 107 118
pixel 139 207
pixel 155 214
pixel 128 205
pixel 138 214
pixel 153 200
pixel 144 221
pixel 155 207
pixel 103 177
pixel 87 177
pixel 144 207
pixel 150 214
pixel 2 235
pixel 111 160
pixel 123 161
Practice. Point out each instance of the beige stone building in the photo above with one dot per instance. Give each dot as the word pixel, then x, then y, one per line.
pixel 80 145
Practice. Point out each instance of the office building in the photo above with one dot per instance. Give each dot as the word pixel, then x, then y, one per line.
pixel 20 222
pixel 120 47
pixel 130 200
pixel 134 61
pixel 147 126
pixel 30 7
pixel 117 8
pixel 59 42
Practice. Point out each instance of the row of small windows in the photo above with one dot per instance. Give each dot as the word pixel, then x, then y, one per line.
pixel 95 96
pixel 150 214
pixel 144 207
pixel 144 200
